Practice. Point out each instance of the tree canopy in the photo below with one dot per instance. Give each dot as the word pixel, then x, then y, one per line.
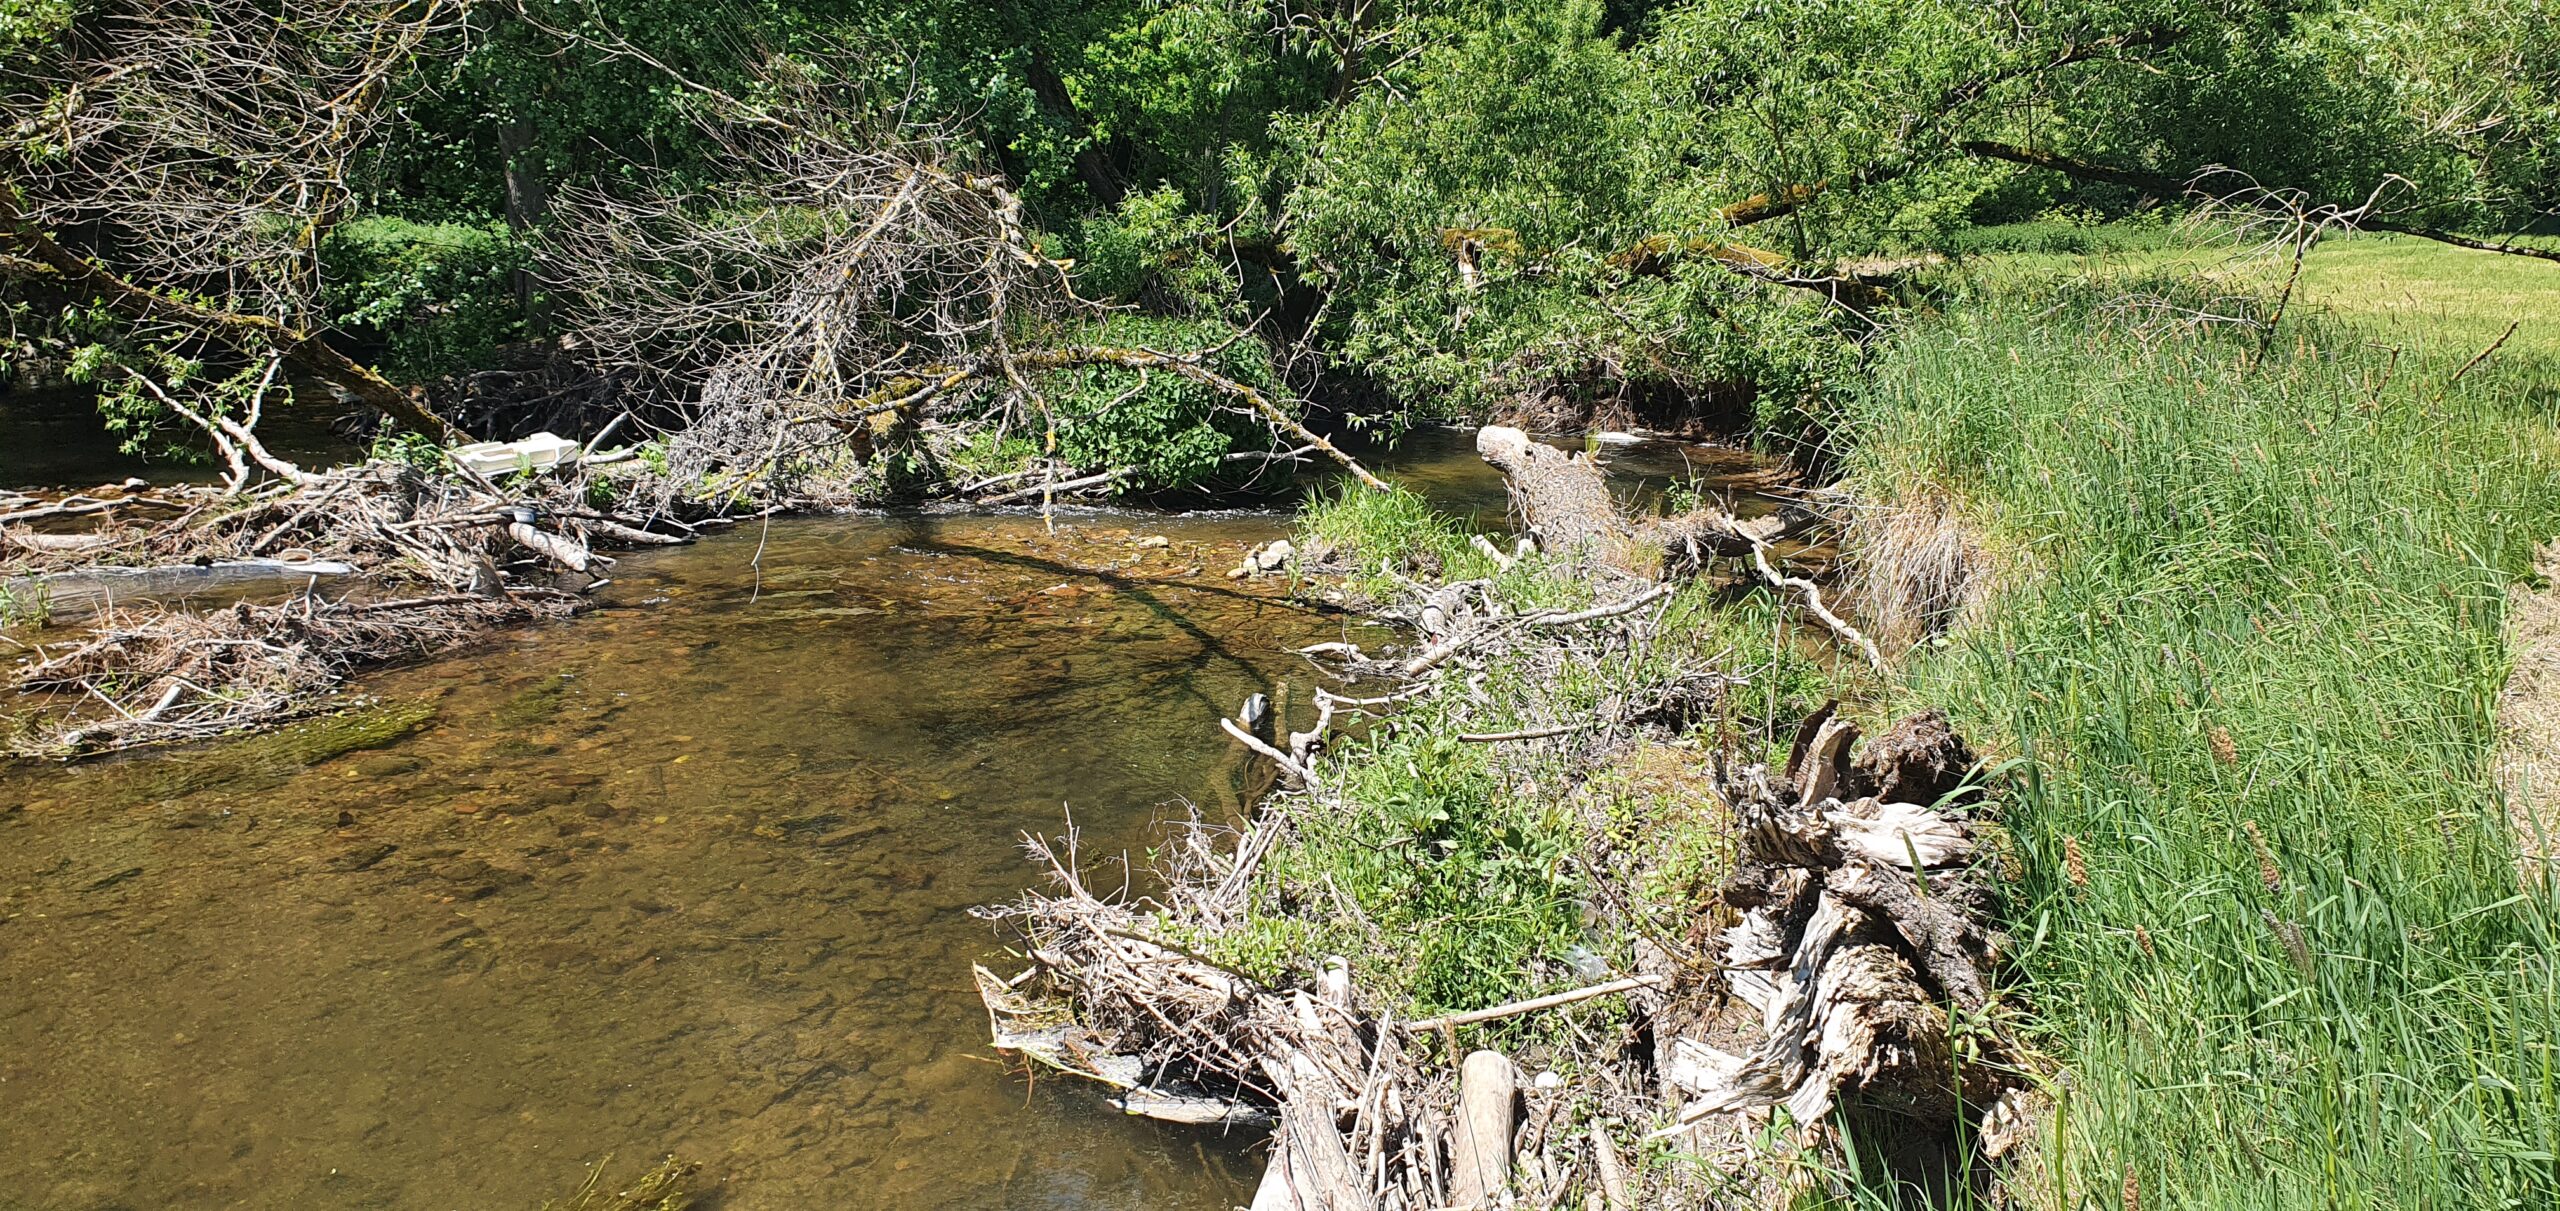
pixel 1415 207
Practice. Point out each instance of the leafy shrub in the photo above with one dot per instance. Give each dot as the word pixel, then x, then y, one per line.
pixel 440 296
pixel 1170 432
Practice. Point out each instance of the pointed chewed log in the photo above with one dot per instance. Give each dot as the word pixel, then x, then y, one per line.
pixel 1564 499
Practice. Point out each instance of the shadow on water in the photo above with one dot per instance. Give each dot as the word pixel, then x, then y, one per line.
pixel 689 875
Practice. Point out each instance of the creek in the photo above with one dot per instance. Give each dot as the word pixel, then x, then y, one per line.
pixel 690 874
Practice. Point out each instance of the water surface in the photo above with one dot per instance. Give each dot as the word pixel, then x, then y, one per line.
pixel 690 874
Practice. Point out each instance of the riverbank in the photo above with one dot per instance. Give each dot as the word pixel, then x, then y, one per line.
pixel 2246 652
pixel 2223 612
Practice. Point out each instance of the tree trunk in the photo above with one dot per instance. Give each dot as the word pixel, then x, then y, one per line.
pixel 528 199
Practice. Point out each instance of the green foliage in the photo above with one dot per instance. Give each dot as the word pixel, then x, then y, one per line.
pixel 1155 247
pixel 1480 224
pixel 1172 432
pixel 440 296
pixel 24 605
pixel 408 449
pixel 27 23
pixel 2250 654
pixel 1468 883
pixel 125 367
pixel 2070 233
pixel 1468 878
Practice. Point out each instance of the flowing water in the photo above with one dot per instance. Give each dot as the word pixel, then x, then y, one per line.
pixel 690 874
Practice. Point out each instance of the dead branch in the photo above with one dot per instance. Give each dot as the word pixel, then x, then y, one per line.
pixel 1531 1005
pixel 1813 605
pixel 206 149
pixel 859 289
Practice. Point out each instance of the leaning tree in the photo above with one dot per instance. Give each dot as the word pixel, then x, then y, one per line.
pixel 174 169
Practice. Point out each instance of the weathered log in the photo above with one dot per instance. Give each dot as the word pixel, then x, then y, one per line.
pixel 1860 927
pixel 1561 496
pixel 566 552
pixel 1480 1147
pixel 1565 500
pixel 68 596
pixel 1918 760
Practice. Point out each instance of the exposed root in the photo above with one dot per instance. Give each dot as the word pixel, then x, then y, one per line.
pixel 1860 922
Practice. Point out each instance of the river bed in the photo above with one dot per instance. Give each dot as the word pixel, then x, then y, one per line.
pixel 690 874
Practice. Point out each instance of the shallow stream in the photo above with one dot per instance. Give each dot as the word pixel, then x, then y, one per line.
pixel 690 874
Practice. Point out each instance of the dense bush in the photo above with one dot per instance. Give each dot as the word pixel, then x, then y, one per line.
pixel 438 296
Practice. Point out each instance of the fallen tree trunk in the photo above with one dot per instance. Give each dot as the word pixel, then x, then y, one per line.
pixel 1565 500
pixel 307 352
pixel 70 596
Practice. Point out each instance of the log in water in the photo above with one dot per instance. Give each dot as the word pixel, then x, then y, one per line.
pixel 72 596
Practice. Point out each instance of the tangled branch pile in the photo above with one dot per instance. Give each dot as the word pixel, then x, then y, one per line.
pixel 859 292
pixel 435 558
pixel 1832 963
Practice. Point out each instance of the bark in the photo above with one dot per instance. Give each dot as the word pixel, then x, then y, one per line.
pixel 528 199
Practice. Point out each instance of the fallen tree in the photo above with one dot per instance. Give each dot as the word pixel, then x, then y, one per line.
pixel 862 293
pixel 182 166
pixel 1565 503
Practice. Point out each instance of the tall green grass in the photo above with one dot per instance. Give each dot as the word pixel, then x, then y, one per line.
pixel 2245 664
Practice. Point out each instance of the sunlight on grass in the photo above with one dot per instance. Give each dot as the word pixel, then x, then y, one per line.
pixel 2270 922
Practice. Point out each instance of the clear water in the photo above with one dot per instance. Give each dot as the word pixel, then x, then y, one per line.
pixel 690 874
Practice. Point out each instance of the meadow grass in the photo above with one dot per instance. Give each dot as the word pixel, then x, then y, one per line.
pixel 2406 292
pixel 2243 669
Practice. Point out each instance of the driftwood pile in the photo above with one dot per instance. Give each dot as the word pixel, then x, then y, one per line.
pixel 1859 951
pixel 1862 927
pixel 1841 972
pixel 380 561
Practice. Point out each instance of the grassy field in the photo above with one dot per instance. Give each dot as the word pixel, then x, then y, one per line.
pixel 2246 659
pixel 2416 293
